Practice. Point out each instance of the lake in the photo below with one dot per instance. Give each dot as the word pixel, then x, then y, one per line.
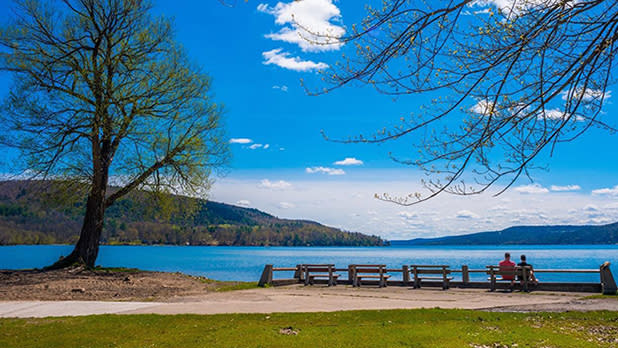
pixel 246 263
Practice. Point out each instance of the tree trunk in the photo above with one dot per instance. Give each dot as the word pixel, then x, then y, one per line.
pixel 87 247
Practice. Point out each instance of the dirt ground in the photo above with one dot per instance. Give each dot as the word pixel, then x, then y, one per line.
pixel 101 285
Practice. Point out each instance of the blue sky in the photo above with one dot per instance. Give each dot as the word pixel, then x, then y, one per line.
pixel 281 164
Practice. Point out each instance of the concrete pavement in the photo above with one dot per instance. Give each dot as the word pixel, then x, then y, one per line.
pixel 313 299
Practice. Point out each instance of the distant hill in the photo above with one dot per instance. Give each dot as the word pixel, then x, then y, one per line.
pixel 521 235
pixel 26 217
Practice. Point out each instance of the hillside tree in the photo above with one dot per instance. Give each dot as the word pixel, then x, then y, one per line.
pixel 506 81
pixel 102 94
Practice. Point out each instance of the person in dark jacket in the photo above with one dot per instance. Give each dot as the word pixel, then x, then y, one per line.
pixel 531 277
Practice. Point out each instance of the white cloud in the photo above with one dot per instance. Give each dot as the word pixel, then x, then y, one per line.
pixel 283 60
pixel 565 188
pixel 255 146
pixel 611 206
pixel 411 219
pixel 587 95
pixel 531 189
pixel 262 8
pixel 407 215
pixel 483 107
pixel 591 208
pixel 334 202
pixel 499 208
pixel 518 6
pixel 286 205
pixel 557 114
pixel 606 191
pixel 243 203
pixel 484 11
pixel 240 141
pixel 553 114
pixel 309 23
pixel 349 161
pixel 266 146
pixel 598 220
pixel 274 185
pixel 325 170
pixel 466 214
pixel 283 88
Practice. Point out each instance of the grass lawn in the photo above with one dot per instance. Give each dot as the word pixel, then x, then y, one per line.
pixel 392 328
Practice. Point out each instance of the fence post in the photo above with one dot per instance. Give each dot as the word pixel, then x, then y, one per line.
pixel 298 274
pixel 351 277
pixel 492 286
pixel 444 278
pixel 406 274
pixel 267 276
pixel 417 281
pixel 608 284
pixel 525 275
pixel 465 275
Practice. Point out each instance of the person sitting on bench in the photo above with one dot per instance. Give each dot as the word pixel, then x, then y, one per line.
pixel 531 277
pixel 507 265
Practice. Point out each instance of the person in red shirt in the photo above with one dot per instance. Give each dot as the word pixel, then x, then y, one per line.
pixel 507 265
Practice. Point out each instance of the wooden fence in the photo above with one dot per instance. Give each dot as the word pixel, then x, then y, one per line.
pixel 606 284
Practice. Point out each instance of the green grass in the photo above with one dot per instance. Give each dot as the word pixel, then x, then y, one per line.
pixel 231 286
pixel 604 297
pixel 392 328
pixel 225 285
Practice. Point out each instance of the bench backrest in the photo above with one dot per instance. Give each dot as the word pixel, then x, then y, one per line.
pixel 430 269
pixel 508 272
pixel 369 268
pixel 318 268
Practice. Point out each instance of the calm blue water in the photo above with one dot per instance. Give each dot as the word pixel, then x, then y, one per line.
pixel 246 263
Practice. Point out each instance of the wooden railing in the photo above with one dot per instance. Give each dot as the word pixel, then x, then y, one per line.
pixel 606 284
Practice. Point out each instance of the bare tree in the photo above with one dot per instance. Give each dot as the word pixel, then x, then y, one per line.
pixel 102 90
pixel 507 80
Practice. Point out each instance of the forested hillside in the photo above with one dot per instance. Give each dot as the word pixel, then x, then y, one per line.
pixel 522 235
pixel 30 215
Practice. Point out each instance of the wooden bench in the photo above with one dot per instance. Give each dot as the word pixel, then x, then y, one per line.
pixel 508 274
pixel 360 272
pixel 431 273
pixel 328 272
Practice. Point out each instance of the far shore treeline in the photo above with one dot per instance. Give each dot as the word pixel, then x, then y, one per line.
pixel 28 215
pixel 528 235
